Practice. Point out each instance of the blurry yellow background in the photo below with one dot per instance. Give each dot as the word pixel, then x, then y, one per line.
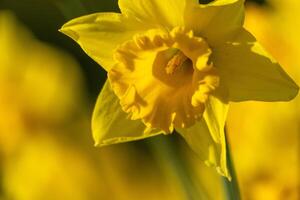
pixel 265 136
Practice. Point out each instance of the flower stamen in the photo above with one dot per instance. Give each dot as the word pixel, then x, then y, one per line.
pixel 175 62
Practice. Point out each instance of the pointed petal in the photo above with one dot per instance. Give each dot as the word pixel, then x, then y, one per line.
pixel 207 137
pixel 215 117
pixel 216 21
pixel 110 124
pixel 166 13
pixel 99 34
pixel 250 73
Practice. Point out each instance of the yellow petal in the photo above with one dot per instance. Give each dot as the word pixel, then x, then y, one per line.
pixel 99 34
pixel 216 21
pixel 110 123
pixel 165 13
pixel 250 73
pixel 207 137
pixel 215 117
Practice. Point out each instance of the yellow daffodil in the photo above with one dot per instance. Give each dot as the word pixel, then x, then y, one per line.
pixel 43 155
pixel 175 64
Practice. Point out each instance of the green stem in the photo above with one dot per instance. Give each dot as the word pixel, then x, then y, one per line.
pixel 167 152
pixel 71 8
pixel 231 187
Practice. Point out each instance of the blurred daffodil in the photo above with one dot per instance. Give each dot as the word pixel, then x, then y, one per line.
pixel 176 65
pixel 46 168
pixel 273 173
pixel 35 91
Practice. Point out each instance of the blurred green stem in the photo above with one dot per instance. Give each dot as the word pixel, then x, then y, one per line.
pixel 231 187
pixel 70 8
pixel 167 153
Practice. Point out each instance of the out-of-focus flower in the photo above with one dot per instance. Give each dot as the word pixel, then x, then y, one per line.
pixel 265 138
pixel 37 84
pixel 37 100
pixel 176 65
pixel 49 169
pixel 46 169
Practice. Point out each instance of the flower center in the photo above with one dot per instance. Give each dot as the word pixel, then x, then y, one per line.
pixel 175 62
pixel 164 78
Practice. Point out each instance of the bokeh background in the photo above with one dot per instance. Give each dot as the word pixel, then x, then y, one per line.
pixel 48 88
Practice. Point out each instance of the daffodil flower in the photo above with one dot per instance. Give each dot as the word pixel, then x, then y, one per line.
pixel 176 64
